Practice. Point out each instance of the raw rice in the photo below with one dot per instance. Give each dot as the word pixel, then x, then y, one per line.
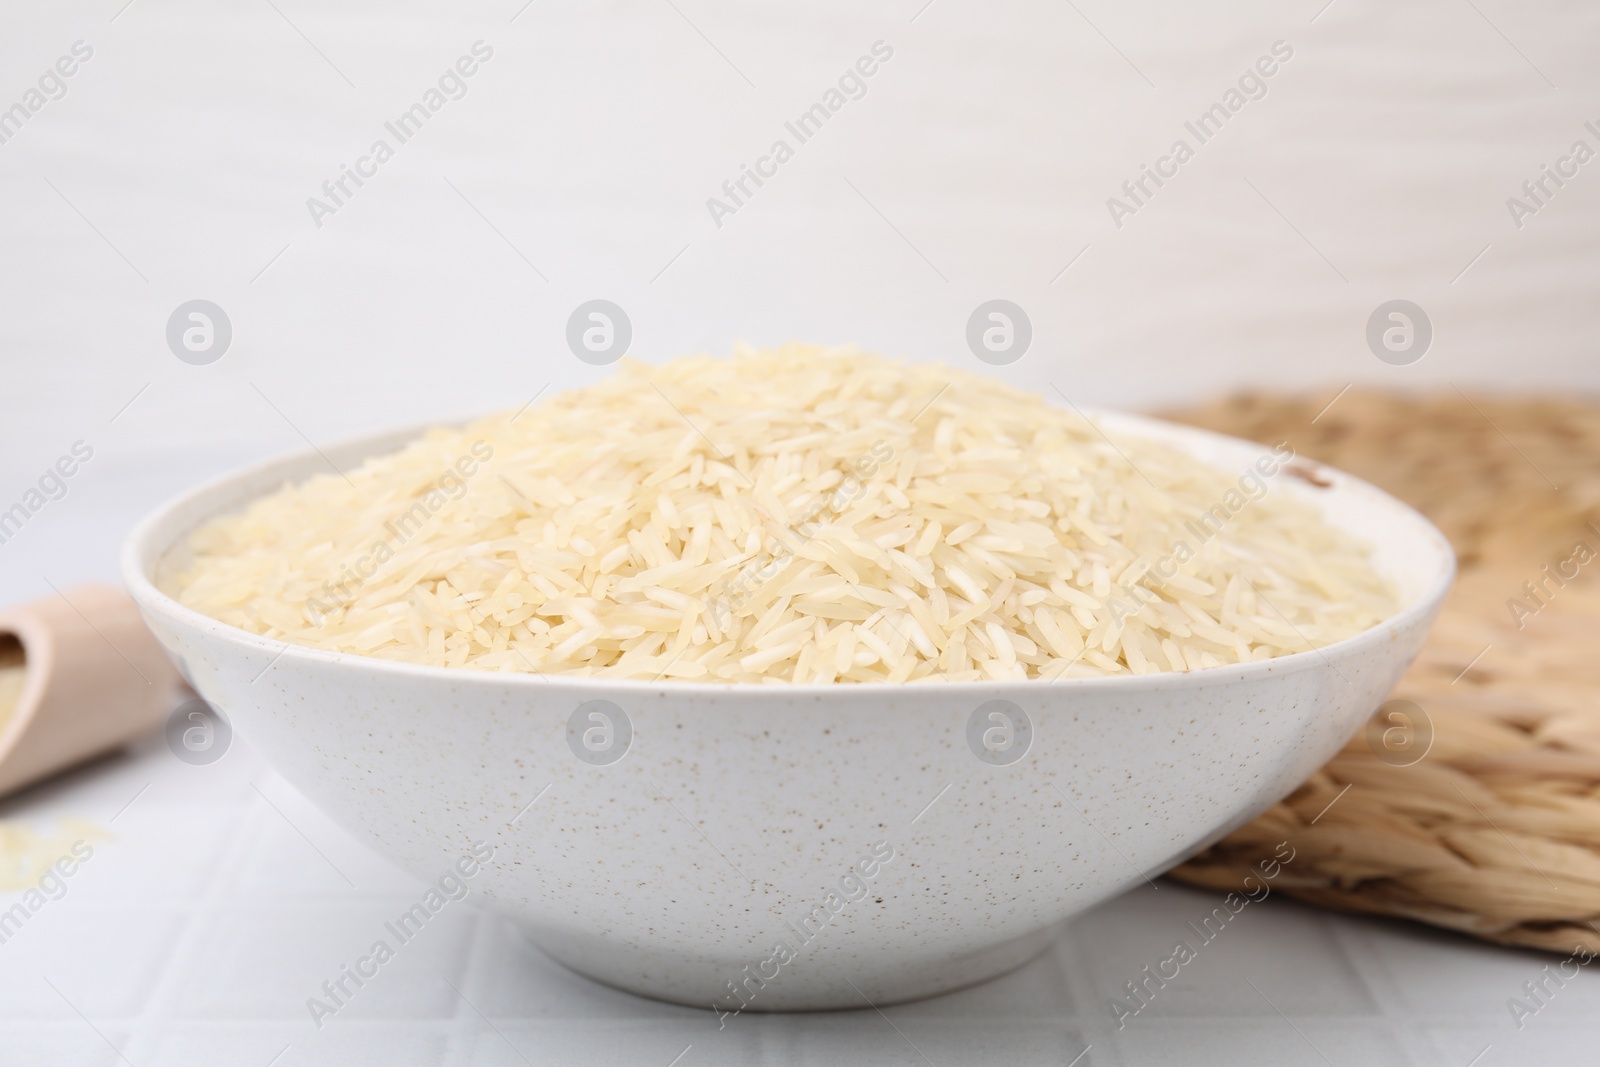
pixel 790 515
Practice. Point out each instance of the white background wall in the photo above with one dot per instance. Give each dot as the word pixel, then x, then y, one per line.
pixel 179 162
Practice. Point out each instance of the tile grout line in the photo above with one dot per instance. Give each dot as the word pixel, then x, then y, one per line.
pixel 1379 984
pixel 200 912
pixel 466 1032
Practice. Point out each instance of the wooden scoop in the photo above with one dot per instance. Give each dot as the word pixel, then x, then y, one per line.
pixel 79 675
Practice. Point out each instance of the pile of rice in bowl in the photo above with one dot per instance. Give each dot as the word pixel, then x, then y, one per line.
pixel 790 515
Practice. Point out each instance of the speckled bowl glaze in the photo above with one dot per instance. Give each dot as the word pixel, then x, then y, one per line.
pixel 795 847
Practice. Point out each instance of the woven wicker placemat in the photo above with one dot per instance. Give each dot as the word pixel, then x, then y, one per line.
pixel 1472 799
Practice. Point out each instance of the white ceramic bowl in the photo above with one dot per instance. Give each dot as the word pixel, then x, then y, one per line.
pixel 679 870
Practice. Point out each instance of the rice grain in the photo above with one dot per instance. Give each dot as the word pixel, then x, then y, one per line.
pixel 790 515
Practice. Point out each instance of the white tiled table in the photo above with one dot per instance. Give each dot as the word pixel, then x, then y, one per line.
pixel 224 899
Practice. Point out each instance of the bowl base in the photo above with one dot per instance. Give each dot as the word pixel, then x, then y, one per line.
pixel 842 986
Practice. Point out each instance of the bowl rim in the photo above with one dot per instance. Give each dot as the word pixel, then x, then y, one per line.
pixel 152 599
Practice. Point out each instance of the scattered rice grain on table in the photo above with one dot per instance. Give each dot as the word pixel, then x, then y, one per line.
pixel 792 515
